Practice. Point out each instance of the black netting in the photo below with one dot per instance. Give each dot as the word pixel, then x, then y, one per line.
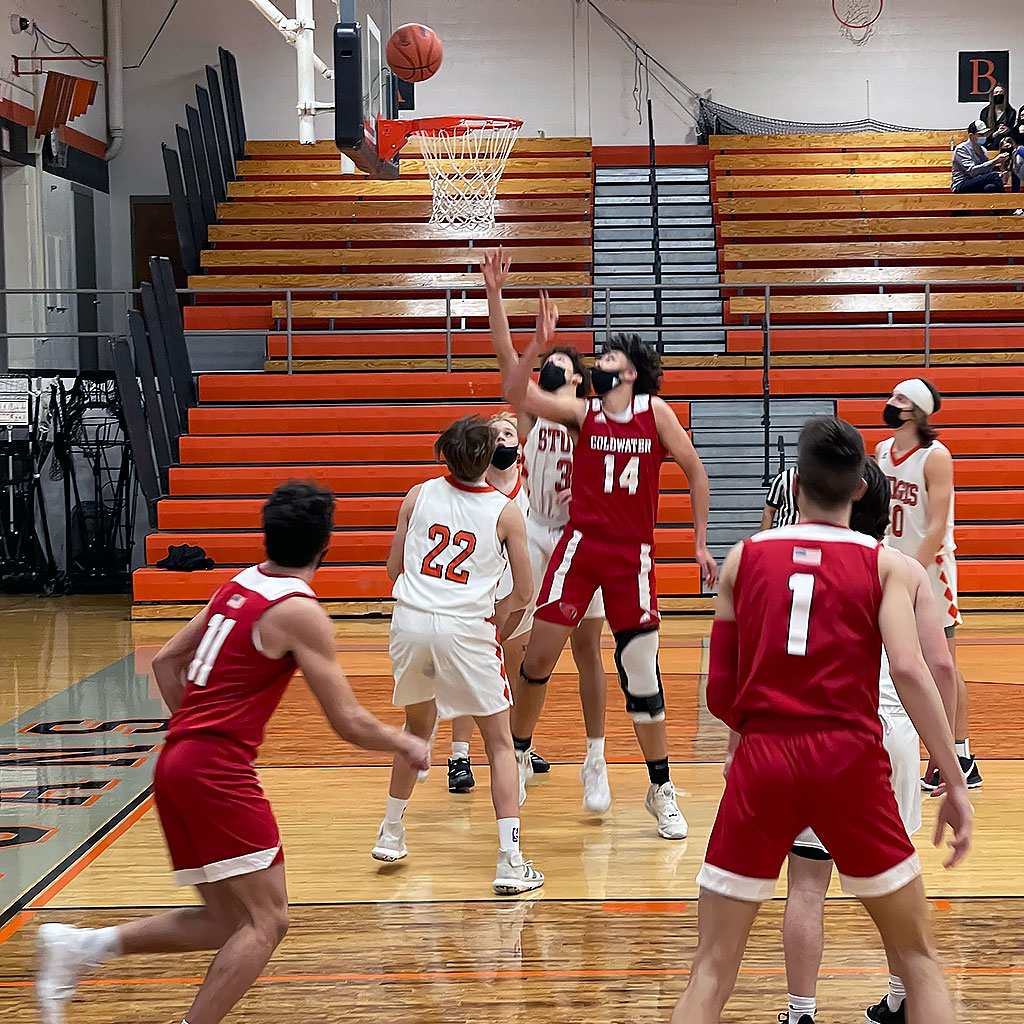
pixel 716 119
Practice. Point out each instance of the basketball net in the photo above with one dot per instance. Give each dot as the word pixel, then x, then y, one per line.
pixel 465 159
pixel 858 18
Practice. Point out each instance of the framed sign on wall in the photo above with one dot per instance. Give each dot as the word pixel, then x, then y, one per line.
pixel 979 71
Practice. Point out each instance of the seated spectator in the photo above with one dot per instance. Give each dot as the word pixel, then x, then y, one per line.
pixel 973 171
pixel 999 117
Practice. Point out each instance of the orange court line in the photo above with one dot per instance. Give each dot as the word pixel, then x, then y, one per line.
pixel 628 972
pixel 644 907
pixel 21 918
pixel 942 905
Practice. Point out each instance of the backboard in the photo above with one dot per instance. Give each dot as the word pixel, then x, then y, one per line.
pixel 363 86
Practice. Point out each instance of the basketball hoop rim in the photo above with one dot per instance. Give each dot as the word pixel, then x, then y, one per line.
pixel 865 25
pixel 393 135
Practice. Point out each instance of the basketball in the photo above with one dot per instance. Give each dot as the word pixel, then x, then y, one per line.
pixel 414 52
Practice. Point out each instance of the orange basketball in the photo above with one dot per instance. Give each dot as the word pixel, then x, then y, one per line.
pixel 414 52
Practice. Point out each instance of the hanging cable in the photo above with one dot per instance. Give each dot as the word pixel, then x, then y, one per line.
pixel 167 18
pixel 643 69
pixel 62 46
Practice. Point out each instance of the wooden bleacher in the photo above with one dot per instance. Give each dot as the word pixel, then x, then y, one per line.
pixel 872 210
pixel 291 224
pixel 294 221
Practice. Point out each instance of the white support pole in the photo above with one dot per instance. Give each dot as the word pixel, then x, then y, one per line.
pixel 304 61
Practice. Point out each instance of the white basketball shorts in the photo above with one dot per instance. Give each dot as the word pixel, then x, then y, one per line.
pixel 453 661
pixel 942 574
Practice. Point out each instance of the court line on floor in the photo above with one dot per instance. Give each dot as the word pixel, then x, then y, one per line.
pixel 20 913
pixel 611 972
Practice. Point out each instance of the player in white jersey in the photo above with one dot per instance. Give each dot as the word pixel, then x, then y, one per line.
pixel 548 458
pixel 506 477
pixel 920 471
pixel 810 867
pixel 455 537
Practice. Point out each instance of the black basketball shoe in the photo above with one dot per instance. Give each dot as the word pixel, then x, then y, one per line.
pixel 881 1014
pixel 540 766
pixel 968 765
pixel 805 1019
pixel 460 775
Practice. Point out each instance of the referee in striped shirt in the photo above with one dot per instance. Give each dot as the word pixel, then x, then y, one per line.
pixel 780 506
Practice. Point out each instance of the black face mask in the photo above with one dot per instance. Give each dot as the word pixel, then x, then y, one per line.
pixel 603 381
pixel 893 415
pixel 552 376
pixel 504 457
pixel 999 99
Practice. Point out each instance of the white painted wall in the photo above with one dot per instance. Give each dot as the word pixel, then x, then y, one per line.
pixel 556 65
pixel 79 22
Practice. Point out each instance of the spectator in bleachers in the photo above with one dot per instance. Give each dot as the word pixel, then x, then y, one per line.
pixel 1008 148
pixel 973 171
pixel 999 117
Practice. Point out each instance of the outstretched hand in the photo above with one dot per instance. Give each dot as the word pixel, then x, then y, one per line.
pixel 495 267
pixel 547 321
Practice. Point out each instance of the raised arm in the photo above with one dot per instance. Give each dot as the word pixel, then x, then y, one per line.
pixel 512 533
pixel 921 699
pixel 938 482
pixel 396 556
pixel 495 267
pixel 524 394
pixel 680 447
pixel 170 666
pixel 301 626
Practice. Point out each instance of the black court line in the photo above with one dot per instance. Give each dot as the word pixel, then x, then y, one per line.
pixel 23 901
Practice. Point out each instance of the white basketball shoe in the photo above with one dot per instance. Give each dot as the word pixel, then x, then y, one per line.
pixel 515 875
pixel 661 803
pixel 597 796
pixel 390 842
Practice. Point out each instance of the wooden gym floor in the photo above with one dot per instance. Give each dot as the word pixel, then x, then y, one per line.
pixel 608 939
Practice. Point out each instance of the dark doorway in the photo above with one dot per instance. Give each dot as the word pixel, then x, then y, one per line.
pixel 154 234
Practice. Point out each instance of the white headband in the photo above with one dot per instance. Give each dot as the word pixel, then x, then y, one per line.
pixel 918 392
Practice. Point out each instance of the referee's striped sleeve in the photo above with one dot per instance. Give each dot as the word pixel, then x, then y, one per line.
pixel 777 492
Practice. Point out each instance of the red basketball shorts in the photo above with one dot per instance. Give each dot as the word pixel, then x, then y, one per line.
pixel 624 571
pixel 217 822
pixel 836 782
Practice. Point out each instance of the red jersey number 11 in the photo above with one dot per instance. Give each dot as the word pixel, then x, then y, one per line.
pixel 802 586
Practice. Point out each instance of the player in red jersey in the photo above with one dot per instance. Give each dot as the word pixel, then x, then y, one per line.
pixel 796 647
pixel 222 676
pixel 608 543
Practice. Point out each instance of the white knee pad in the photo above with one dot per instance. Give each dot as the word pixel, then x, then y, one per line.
pixel 636 658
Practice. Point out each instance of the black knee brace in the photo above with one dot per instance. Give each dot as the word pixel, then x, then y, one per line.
pixel 636 659
pixel 542 681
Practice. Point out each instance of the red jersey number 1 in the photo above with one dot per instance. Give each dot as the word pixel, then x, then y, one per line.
pixel 802 586
pixel 217 630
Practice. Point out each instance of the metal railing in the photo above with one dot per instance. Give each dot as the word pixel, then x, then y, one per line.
pixel 600 322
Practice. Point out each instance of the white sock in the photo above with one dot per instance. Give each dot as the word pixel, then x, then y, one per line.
pixel 508 833
pixel 460 750
pixel 963 748
pixel 595 746
pixel 800 1006
pixel 897 993
pixel 101 945
pixel 395 810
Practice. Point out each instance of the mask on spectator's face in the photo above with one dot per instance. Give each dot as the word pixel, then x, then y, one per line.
pixel 999 97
